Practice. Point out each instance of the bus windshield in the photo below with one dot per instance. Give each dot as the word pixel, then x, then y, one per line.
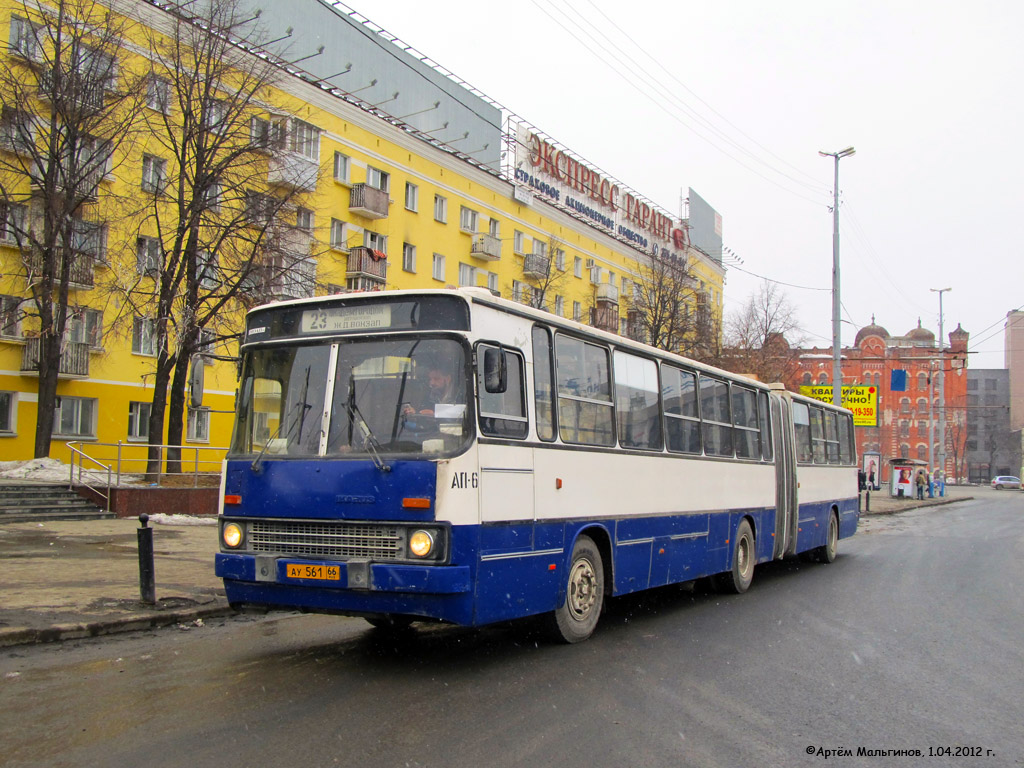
pixel 403 397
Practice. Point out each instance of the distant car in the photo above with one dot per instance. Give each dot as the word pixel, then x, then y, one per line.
pixel 1005 481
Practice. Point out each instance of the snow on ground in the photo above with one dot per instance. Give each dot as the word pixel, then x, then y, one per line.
pixel 162 519
pixel 54 471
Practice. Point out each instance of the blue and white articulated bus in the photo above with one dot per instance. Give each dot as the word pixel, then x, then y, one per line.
pixel 453 456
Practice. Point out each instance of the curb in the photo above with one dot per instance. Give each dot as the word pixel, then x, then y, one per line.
pixel 930 503
pixel 12 636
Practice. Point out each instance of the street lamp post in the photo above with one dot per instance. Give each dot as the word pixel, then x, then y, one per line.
pixel 837 372
pixel 941 382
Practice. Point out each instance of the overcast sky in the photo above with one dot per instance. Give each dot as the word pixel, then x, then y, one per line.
pixel 735 98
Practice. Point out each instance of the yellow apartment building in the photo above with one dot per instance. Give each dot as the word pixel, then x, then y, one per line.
pixel 378 200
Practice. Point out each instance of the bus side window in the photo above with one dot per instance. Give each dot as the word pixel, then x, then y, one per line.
pixel 585 412
pixel 832 437
pixel 504 414
pixel 746 432
pixel 818 434
pixel 682 421
pixel 715 418
pixel 845 439
pixel 542 394
pixel 802 425
pixel 766 428
pixel 636 402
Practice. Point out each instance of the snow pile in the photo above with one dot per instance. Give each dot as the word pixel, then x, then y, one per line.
pixel 40 470
pixel 162 519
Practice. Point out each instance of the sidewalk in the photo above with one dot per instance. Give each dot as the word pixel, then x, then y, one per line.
pixel 884 504
pixel 63 580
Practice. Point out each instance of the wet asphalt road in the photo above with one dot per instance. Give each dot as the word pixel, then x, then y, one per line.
pixel 911 640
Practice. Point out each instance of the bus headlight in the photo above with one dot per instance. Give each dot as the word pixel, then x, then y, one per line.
pixel 232 535
pixel 421 543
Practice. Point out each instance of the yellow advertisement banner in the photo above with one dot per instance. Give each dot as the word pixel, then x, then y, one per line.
pixel 863 401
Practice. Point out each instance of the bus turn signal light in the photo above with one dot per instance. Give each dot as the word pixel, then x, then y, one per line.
pixel 413 503
pixel 232 498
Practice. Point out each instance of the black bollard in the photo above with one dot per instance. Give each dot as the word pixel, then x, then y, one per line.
pixel 867 500
pixel 147 573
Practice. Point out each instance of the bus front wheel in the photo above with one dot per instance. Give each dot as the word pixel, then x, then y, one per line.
pixel 737 579
pixel 576 618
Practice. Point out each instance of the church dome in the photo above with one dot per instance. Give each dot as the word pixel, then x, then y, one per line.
pixel 921 334
pixel 870 330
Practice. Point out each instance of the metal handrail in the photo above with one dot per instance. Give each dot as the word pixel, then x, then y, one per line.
pixel 82 456
pixel 119 461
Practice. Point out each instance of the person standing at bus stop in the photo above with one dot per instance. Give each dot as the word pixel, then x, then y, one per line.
pixel 921 481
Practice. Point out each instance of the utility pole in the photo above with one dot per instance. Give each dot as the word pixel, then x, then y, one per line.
pixel 837 371
pixel 942 394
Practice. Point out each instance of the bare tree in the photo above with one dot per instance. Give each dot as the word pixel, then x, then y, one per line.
pixel 222 186
pixel 759 336
pixel 668 309
pixel 68 106
pixel 545 274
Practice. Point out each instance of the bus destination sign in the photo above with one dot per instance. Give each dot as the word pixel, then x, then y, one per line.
pixel 338 319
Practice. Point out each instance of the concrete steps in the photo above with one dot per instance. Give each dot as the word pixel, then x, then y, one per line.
pixel 36 502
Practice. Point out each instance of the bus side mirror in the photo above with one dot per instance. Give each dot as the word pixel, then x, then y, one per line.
pixel 495 371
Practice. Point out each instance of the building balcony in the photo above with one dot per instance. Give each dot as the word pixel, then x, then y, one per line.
pixel 292 171
pixel 485 246
pixel 607 293
pixel 536 266
pixel 368 202
pixel 80 272
pixel 365 262
pixel 605 318
pixel 74 359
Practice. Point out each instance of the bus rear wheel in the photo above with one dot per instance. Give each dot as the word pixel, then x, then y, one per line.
pixel 827 552
pixel 576 618
pixel 737 579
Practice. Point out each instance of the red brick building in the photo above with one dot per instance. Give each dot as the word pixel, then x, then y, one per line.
pixel 903 417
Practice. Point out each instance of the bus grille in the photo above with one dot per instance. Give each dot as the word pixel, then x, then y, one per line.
pixel 329 540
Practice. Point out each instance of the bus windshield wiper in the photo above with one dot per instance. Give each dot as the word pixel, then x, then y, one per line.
pixel 370 443
pixel 301 404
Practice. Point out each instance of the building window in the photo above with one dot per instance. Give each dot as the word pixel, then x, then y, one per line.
pixel 408 257
pixel 492 283
pixel 560 260
pixel 577 266
pixel 75 417
pixel 208 270
pixel 378 179
pixel 304 219
pixel 305 139
pixel 144 336
pixel 807 380
pixel 823 378
pixel 521 292
pixel 922 405
pixel 198 425
pixel 147 252
pixel 468 219
pixel 412 197
pixel 24 39
pixel 154 174
pixel 215 112
pixel 85 326
pixel 438 269
pixel 12 222
pixel 577 311
pixel 467 275
pixel 8 404
pixel 339 235
pixel 904 405
pixel 494 227
pixel 138 420
pixel 10 317
pixel 375 241
pixel 158 94
pixel 342 163
pixel 518 243
pixel 560 306
pixel 441 209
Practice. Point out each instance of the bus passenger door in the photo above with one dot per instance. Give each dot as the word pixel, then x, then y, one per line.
pixel 785 475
